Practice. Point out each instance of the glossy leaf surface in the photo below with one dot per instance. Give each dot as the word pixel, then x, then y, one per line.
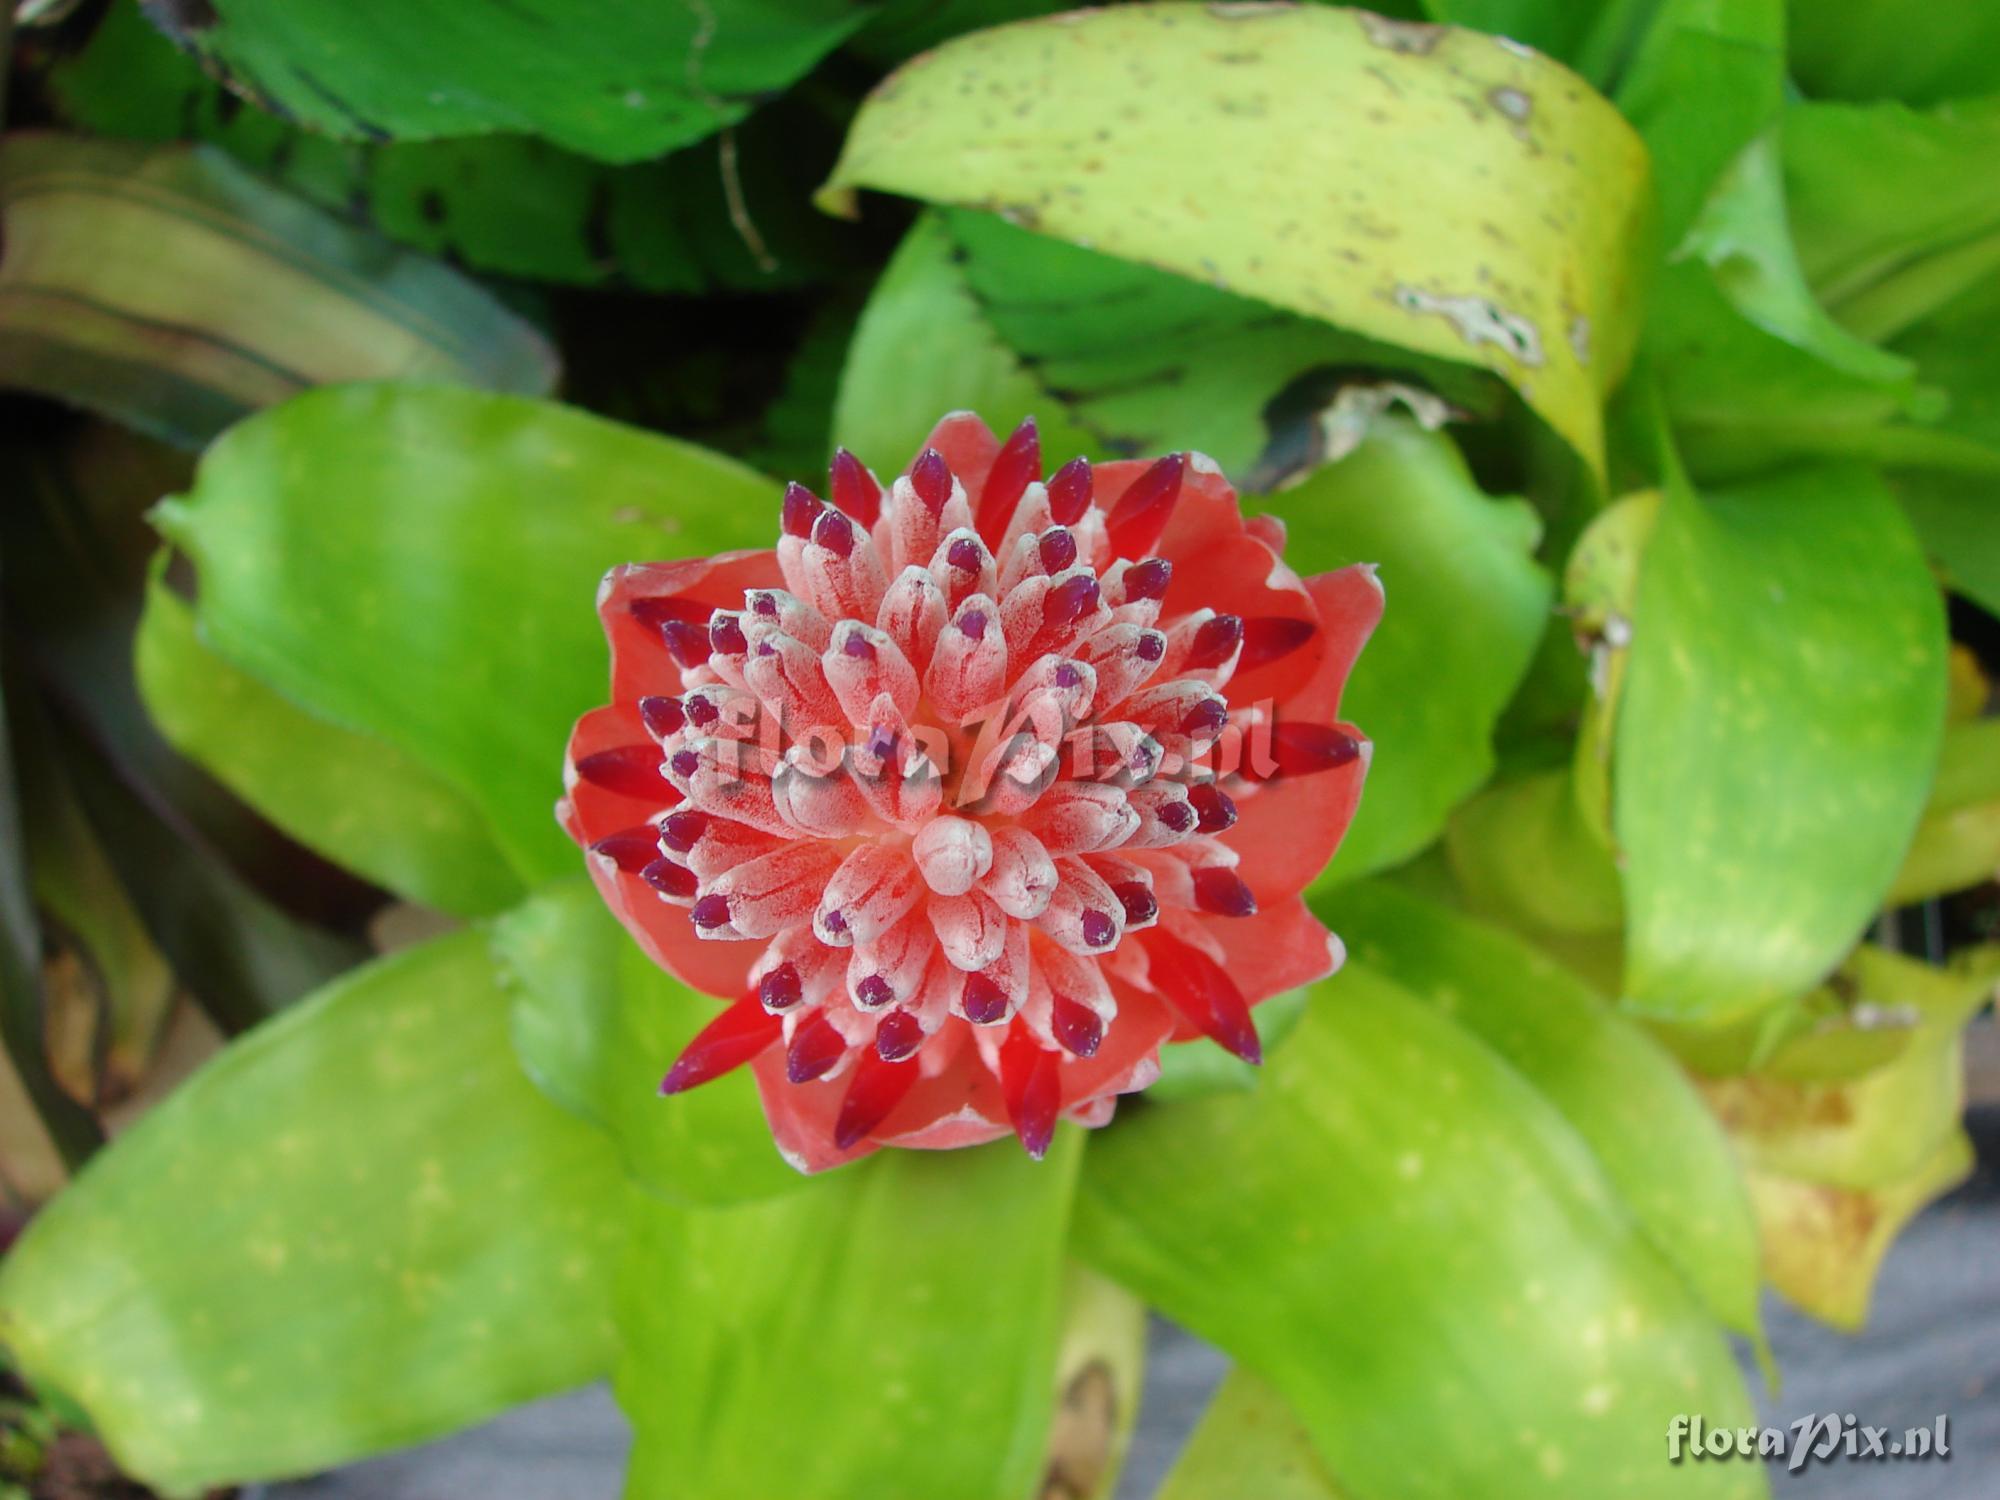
pixel 419 564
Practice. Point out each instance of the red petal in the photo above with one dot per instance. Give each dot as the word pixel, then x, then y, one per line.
pixel 1270 638
pixel 1070 491
pixel 1031 1081
pixel 630 771
pixel 724 1044
pixel 1137 521
pixel 1015 467
pixel 635 597
pixel 853 488
pixel 1204 994
pixel 815 1047
pixel 877 1088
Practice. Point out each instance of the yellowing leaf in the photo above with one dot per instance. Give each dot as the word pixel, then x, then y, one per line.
pixel 1441 190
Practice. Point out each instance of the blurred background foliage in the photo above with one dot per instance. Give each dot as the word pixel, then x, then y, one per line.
pixel 1656 367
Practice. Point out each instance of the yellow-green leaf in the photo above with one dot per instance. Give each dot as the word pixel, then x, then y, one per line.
pixel 169 288
pixel 1441 190
pixel 358 1227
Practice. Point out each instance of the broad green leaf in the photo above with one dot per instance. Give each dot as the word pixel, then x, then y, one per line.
pixel 924 346
pixel 419 564
pixel 359 801
pixel 597 1024
pixel 1894 49
pixel 1886 201
pixel 1742 234
pixel 1419 1253
pixel 1466 606
pixel 904 1313
pixel 1621 1092
pixel 1113 359
pixel 1470 200
pixel 357 1228
pixel 1249 1442
pixel 510 204
pixel 1707 78
pixel 169 288
pixel 622 83
pixel 1779 723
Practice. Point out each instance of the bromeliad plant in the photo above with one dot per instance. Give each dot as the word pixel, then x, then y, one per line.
pixel 1647 366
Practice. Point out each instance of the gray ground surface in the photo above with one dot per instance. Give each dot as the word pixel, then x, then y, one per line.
pixel 1933 1345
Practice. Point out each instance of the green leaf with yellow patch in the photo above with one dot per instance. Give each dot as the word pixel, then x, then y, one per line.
pixel 1465 198
pixel 357 1228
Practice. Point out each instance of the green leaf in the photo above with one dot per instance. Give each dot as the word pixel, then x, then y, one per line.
pixel 1891 207
pixel 1150 362
pixel 619 83
pixel 1419 1253
pixel 1470 201
pixel 1249 1443
pixel 1524 856
pixel 924 345
pixel 509 204
pixel 1627 1098
pixel 1466 606
pixel 171 289
pixel 1708 77
pixel 418 564
pixel 1894 49
pixel 1743 236
pixel 904 1311
pixel 1781 713
pixel 359 801
pixel 597 1024
pixel 357 1228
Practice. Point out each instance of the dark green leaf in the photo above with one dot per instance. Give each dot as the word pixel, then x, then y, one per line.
pixel 1708 78
pixel 598 1024
pixel 355 1229
pixel 355 799
pixel 1779 725
pixel 418 564
pixel 1892 208
pixel 171 289
pixel 1894 49
pixel 510 204
pixel 1624 1095
pixel 903 1312
pixel 620 83
pixel 1417 1251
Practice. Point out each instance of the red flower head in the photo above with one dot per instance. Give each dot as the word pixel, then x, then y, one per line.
pixel 975 791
